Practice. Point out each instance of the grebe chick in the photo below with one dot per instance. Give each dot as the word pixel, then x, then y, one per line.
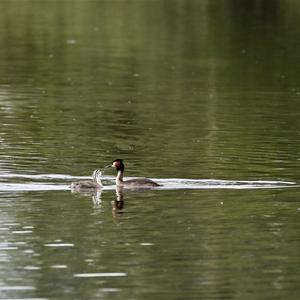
pixel 84 185
pixel 134 183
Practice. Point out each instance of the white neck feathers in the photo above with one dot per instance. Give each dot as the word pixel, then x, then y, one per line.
pixel 119 178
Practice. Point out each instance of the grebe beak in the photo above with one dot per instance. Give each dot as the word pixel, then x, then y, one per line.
pixel 106 167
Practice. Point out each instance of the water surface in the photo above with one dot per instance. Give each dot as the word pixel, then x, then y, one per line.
pixel 202 96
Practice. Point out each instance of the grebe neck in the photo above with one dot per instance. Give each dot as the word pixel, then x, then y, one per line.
pixel 119 178
pixel 97 177
pixel 98 180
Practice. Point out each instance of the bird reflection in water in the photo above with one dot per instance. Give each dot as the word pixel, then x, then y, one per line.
pixel 96 197
pixel 118 203
pixel 95 194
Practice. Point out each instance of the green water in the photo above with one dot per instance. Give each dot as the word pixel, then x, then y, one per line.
pixel 178 89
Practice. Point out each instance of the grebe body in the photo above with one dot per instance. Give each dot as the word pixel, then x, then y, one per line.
pixel 85 185
pixel 131 183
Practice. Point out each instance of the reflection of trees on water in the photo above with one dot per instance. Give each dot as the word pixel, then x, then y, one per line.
pixel 136 70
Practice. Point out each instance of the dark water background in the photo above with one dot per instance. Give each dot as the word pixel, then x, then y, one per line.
pixel 178 89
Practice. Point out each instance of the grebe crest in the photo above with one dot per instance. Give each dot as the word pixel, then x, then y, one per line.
pixel 134 183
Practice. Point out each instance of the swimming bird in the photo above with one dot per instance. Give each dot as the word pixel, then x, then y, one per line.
pixel 132 183
pixel 88 185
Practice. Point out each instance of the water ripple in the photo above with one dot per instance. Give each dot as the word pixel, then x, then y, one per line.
pixel 58 182
pixel 17 288
pixel 91 275
pixel 59 245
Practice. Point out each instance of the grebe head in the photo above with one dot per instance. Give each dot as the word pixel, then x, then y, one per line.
pixel 118 164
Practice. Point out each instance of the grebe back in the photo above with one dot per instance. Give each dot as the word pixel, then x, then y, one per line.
pixel 88 184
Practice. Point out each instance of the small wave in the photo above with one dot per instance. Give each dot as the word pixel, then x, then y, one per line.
pixel 60 182
pixel 28 187
pixel 175 183
pixel 43 176
pixel 92 275
pixel 55 245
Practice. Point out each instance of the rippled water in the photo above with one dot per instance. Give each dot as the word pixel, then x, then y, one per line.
pixel 47 182
pixel 201 96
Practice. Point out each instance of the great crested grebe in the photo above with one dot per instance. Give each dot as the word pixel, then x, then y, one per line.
pixel 134 183
pixel 88 184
